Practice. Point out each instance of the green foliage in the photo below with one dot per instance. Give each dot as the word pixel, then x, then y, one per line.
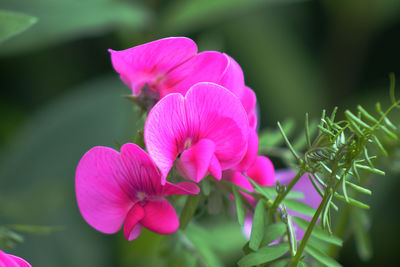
pixel 257 229
pixel 265 254
pixel 192 201
pixel 12 23
pixel 90 17
pixel 239 205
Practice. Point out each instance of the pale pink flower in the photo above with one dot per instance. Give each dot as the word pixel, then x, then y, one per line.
pixel 205 131
pixel 8 260
pixel 125 188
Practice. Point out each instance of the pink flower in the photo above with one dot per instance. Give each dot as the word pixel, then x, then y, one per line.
pixel 205 131
pixel 125 188
pixel 8 260
pixel 262 172
pixel 172 65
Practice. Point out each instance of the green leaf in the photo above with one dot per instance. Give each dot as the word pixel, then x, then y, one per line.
pixel 321 256
pixel 360 224
pixel 64 20
pixel 13 23
pixel 239 205
pixel 35 229
pixel 280 263
pixel 257 228
pixel 264 255
pixel 299 206
pixel 318 232
pixel 273 232
pixel 189 209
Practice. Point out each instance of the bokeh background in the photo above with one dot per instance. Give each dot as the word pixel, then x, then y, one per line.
pixel 59 97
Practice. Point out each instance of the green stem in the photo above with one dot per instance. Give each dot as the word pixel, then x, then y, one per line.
pixel 296 258
pixel 289 187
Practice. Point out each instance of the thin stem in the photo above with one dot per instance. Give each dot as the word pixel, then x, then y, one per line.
pixel 289 187
pixel 296 258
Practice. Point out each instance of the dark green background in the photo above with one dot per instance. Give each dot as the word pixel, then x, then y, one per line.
pixel 60 96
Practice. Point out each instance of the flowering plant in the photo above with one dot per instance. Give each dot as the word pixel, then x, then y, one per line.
pixel 201 125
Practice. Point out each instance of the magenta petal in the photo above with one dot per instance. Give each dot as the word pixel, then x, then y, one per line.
pixel 150 62
pixel 101 189
pixel 215 168
pixel 216 114
pixel 132 228
pixel 233 78
pixel 251 153
pixel 262 171
pixel 193 162
pixel 6 260
pixel 165 132
pixel 207 66
pixel 160 217
pixel 143 173
pixel 248 100
pixel 182 188
pixel 19 261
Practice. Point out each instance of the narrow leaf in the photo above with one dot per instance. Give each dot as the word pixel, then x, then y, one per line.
pixel 273 232
pixel 239 205
pixel 188 210
pixel 257 229
pixel 299 207
pixel 12 23
pixel 321 256
pixel 264 255
pixel 318 232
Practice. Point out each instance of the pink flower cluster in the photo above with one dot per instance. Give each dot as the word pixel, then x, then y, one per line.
pixel 202 120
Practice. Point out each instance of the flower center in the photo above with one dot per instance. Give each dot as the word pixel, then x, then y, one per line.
pixel 188 143
pixel 141 195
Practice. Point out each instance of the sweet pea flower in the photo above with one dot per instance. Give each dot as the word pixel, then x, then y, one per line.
pixel 8 260
pixel 172 65
pixel 115 188
pixel 205 131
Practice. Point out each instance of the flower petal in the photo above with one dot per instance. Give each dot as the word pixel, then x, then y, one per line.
pixel 150 62
pixel 262 171
pixel 193 162
pixel 248 99
pixel 132 227
pixel 100 184
pixel 207 66
pixel 251 153
pixel 215 168
pixel 19 261
pixel 143 173
pixel 182 188
pixel 165 132
pixel 160 217
pixel 6 260
pixel 233 78
pixel 216 114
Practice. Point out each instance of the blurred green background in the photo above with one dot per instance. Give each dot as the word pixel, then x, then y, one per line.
pixel 60 97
